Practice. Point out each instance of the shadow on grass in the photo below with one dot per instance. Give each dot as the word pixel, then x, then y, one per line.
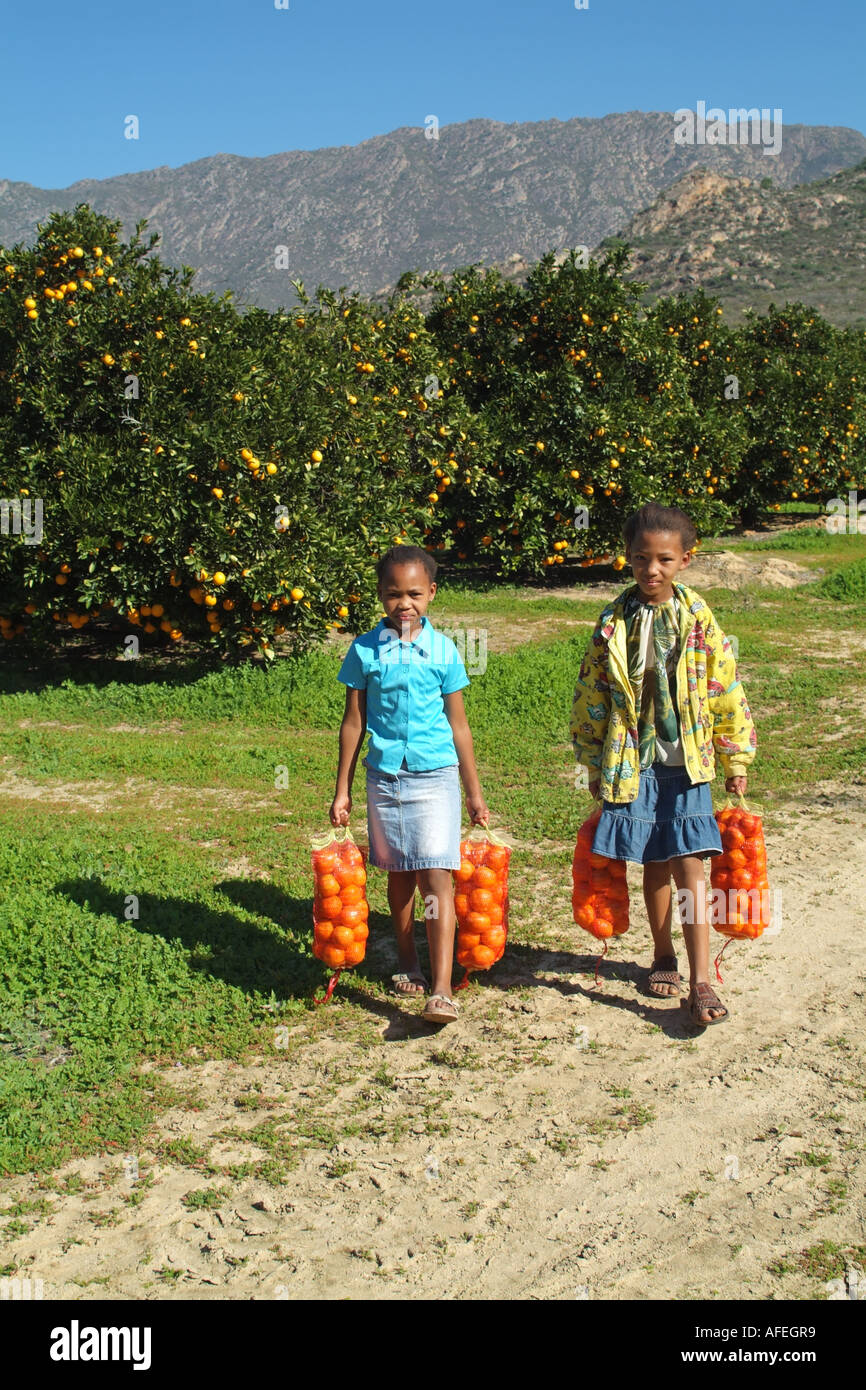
pixel 401 1015
pixel 95 664
pixel 263 961
pixel 252 958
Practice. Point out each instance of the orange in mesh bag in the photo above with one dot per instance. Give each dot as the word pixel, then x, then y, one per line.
pixel 599 892
pixel 481 900
pixel 740 896
pixel 340 909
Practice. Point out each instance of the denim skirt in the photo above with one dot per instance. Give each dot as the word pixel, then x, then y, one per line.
pixel 413 818
pixel 670 816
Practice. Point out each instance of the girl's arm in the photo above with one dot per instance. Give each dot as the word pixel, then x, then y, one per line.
pixel 590 710
pixel 352 731
pixel 734 737
pixel 455 710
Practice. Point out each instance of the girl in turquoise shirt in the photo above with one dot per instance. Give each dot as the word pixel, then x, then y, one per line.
pixel 404 682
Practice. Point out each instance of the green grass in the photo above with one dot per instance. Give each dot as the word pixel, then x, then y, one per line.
pixel 159 907
pixel 847 585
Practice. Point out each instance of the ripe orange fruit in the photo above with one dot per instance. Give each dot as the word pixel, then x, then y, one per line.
pixel 329 908
pixel 478 922
pixel 484 877
pixel 497 857
pixel 352 893
pixel 346 874
pixel 495 939
pixel 481 899
pixel 483 957
pixel 334 957
pixel 328 886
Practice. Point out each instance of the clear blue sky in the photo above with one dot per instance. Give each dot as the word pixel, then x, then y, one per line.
pixel 241 77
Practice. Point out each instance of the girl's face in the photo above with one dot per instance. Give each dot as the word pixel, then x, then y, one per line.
pixel 656 558
pixel 406 591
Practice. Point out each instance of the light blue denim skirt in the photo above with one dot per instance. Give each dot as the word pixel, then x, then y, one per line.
pixel 670 816
pixel 413 818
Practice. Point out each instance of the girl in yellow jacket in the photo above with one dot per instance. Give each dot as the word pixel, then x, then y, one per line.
pixel 657 697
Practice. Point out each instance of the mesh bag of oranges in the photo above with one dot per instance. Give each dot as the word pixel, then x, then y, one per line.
pixel 340 909
pixel 599 892
pixel 481 900
pixel 740 892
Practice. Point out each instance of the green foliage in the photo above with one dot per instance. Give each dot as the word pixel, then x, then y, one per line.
pixel 588 403
pixel 232 478
pixel 847 584
pixel 805 409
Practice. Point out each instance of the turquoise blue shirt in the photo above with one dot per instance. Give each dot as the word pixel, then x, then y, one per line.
pixel 405 682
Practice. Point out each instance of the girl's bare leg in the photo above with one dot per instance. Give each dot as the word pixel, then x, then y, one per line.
pixel 659 906
pixel 437 890
pixel 401 901
pixel 688 872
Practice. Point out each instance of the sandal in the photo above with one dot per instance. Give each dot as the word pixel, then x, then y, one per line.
pixel 703 996
pixel 664 972
pixel 402 983
pixel 444 1011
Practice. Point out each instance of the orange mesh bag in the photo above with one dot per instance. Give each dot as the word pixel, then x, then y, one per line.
pixel 599 893
pixel 481 900
pixel 740 891
pixel 340 909
pixel 599 890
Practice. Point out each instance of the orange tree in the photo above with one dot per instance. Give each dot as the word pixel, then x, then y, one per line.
pixel 712 360
pixel 203 474
pixel 804 408
pixel 587 399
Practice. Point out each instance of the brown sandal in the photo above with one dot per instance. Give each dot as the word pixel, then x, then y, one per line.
pixel 703 996
pixel 410 984
pixel 440 1009
pixel 664 972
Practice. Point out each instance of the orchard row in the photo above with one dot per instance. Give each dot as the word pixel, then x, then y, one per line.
pixel 170 465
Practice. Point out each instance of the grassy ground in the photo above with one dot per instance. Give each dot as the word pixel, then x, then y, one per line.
pixel 154 871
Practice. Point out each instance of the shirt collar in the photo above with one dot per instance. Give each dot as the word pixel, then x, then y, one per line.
pixel 422 641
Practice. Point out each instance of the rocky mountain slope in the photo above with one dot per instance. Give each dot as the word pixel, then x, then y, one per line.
pixel 361 215
pixel 751 244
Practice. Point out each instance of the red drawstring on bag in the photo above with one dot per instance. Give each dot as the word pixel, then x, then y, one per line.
pixel 598 963
pixel 332 985
pixel 719 957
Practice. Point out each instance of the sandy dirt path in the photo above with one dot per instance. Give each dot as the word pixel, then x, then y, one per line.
pixel 594 1149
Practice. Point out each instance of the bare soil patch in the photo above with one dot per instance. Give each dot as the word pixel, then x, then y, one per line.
pixel 559 1141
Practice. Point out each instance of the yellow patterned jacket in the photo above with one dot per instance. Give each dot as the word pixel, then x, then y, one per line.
pixel 713 714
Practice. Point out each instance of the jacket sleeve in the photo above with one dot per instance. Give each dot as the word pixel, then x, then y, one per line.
pixel 590 710
pixel 734 737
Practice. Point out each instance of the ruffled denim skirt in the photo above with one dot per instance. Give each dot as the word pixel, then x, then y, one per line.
pixel 670 816
pixel 413 819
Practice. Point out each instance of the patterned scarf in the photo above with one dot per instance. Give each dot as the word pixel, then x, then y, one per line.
pixel 655 697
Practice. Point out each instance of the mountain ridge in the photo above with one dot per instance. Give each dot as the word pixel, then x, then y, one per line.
pixel 360 215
